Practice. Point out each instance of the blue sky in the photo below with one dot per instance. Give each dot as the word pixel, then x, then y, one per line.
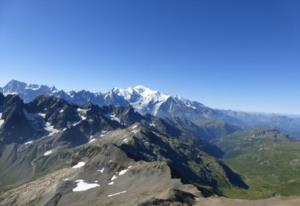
pixel 235 54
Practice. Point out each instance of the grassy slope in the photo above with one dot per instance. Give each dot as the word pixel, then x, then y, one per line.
pixel 268 161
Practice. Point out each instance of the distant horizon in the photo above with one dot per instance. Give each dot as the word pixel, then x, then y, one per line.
pixel 173 95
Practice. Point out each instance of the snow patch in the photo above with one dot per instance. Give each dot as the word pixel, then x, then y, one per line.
pixel 104 132
pixel 118 193
pixel 101 171
pixel 1 120
pixel 29 142
pixel 134 126
pixel 83 186
pixel 114 118
pixel 114 177
pixel 122 172
pixel 190 106
pixel 76 123
pixel 10 93
pixel 82 113
pixel 92 140
pixel 43 115
pixel 78 165
pixel 152 125
pixel 110 183
pixel 50 128
pixel 49 152
pixel 83 117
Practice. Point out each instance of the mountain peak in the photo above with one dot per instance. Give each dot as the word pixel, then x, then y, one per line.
pixel 14 85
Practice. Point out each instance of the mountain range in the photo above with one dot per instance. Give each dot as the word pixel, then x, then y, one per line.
pixel 133 147
pixel 113 150
pixel 148 101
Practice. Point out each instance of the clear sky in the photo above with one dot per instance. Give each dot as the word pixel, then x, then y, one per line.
pixel 237 54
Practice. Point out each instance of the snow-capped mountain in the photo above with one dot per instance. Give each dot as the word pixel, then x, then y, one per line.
pixel 147 101
pixel 141 98
pixel 27 91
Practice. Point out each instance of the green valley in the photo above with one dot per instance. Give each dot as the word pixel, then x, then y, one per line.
pixel 268 160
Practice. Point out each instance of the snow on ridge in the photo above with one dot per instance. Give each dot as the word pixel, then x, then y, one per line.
pixel 78 165
pixel 83 186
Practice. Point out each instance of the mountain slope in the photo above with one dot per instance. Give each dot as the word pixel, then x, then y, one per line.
pixel 90 154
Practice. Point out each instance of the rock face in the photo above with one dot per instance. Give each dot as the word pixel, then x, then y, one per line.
pixel 91 155
pixel 15 121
